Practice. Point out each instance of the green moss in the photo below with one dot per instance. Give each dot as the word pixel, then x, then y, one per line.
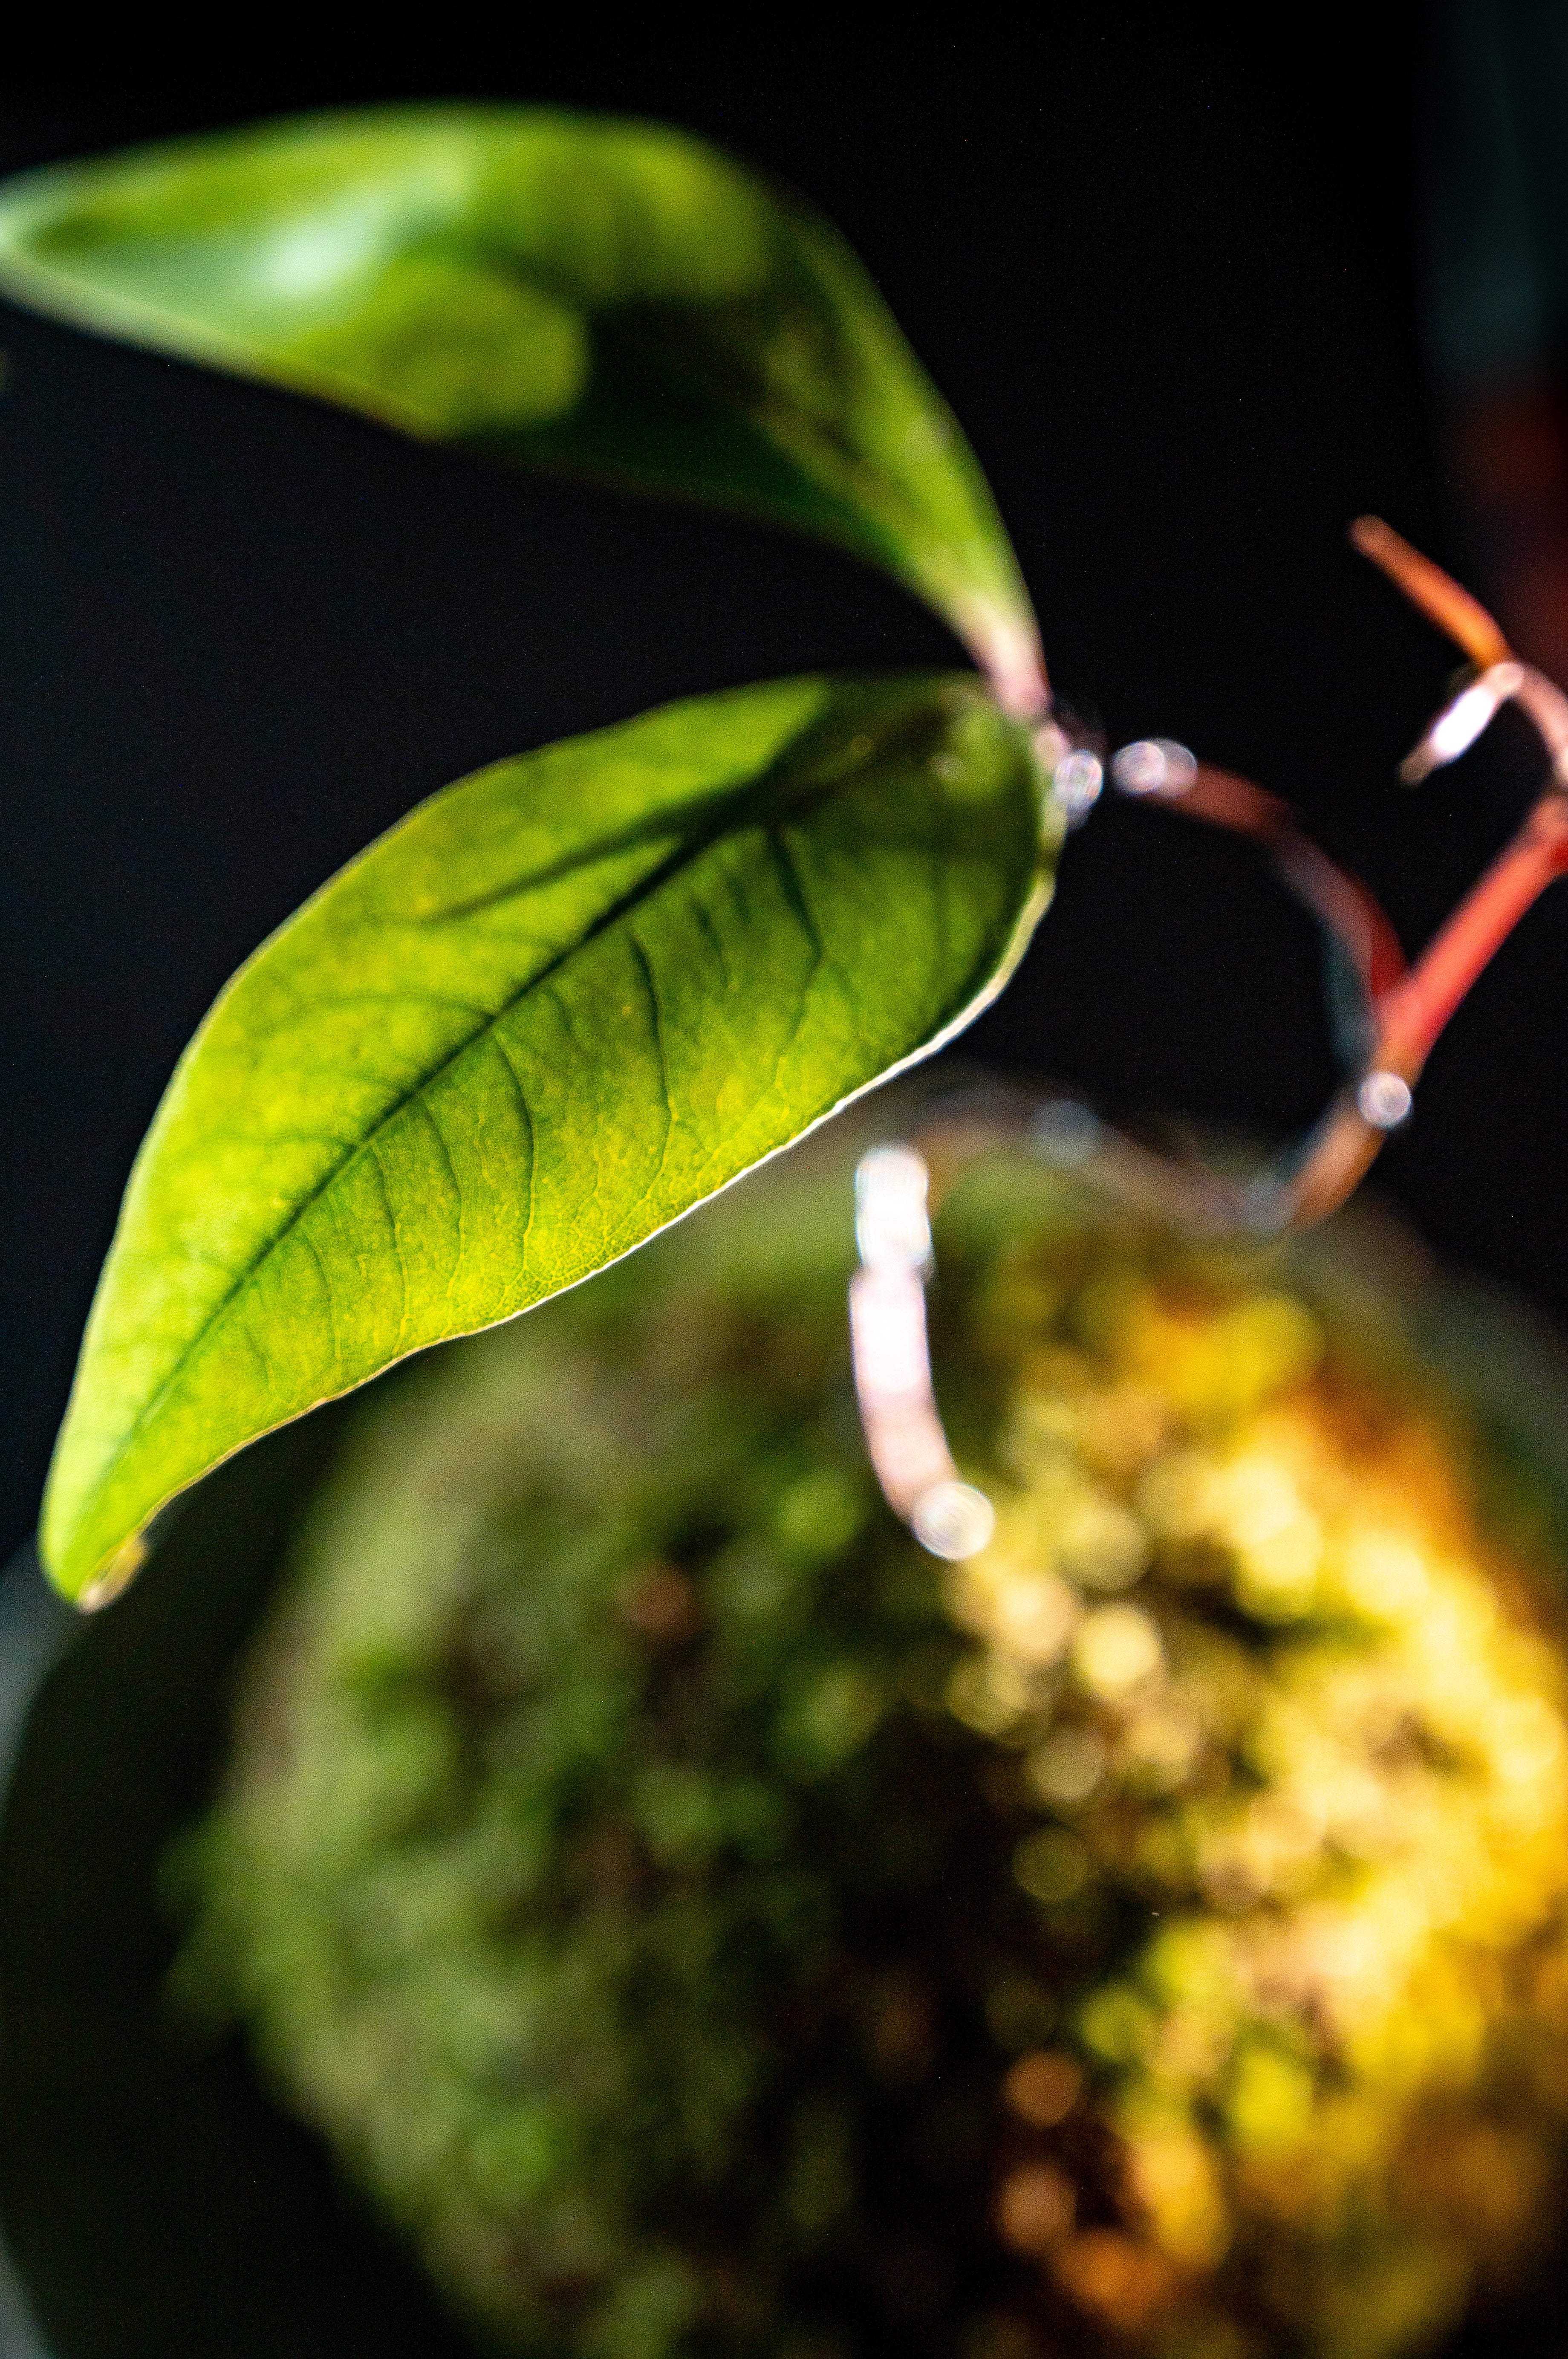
pixel 713 1928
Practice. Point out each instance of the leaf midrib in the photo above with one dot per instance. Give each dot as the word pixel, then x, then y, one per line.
pixel 681 857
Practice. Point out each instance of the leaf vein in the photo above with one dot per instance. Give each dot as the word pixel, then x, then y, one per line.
pixel 314 1250
pixel 459 1200
pixel 706 926
pixel 396 1236
pixel 680 858
pixel 526 1111
pixel 645 971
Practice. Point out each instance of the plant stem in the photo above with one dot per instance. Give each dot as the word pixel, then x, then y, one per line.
pixel 1438 596
pixel 1408 1007
pixel 1415 1011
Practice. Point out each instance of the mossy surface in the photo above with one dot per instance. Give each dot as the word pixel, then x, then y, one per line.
pixel 712 1927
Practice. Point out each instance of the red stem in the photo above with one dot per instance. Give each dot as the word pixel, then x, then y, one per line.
pixel 1416 1011
pixel 1340 900
pixel 1410 1006
pixel 1436 594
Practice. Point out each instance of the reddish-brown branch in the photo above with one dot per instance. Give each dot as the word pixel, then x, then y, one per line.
pixel 1344 1143
pixel 1439 597
pixel 1408 1007
pixel 1414 1013
pixel 1339 900
pixel 1336 1159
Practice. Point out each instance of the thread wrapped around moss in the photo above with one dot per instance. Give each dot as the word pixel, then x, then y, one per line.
pixel 710 1927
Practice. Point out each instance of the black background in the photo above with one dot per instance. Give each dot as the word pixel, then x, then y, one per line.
pixel 1171 287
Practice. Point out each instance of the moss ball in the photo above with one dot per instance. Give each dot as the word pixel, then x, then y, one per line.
pixel 709 1926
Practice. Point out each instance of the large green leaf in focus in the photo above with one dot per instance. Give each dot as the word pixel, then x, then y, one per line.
pixel 557 1004
pixel 613 296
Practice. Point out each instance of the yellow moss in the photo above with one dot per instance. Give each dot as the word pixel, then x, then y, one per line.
pixel 1320 1734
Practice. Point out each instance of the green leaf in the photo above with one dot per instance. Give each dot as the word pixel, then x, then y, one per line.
pixel 557 1004
pixel 611 297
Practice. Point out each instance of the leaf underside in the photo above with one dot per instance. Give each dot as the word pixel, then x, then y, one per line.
pixel 609 297
pixel 560 1003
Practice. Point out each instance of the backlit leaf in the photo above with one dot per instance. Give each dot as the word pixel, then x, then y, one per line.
pixel 611 297
pixel 557 1004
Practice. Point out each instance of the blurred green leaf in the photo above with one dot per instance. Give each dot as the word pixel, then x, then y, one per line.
pixel 557 1004
pixel 609 297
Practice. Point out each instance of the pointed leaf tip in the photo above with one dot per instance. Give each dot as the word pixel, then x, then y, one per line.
pixel 613 298
pixel 562 1002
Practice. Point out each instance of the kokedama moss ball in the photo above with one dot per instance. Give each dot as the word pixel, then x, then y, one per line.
pixel 710 1925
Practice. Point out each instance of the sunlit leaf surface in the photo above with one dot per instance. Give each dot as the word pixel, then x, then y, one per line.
pixel 614 298
pixel 561 1002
